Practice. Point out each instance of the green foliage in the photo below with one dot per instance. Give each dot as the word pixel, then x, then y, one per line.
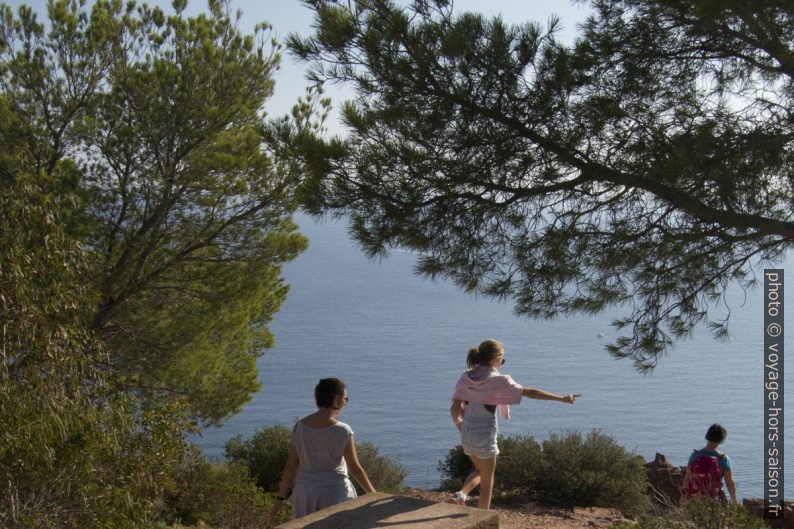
pixel 568 470
pixel 705 513
pixel 140 248
pixel 701 513
pixel 455 467
pixel 594 470
pixel 517 467
pixel 78 449
pixel 385 473
pixel 264 454
pixel 223 496
pixel 565 178
pixel 152 121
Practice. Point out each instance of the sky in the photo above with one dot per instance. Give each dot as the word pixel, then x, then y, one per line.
pixel 291 16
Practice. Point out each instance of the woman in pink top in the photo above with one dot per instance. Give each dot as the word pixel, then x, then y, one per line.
pixel 479 391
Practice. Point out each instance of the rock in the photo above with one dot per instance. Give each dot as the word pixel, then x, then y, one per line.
pixel 659 461
pixel 664 480
pixel 378 510
pixel 756 506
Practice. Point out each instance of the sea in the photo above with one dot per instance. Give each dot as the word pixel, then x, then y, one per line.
pixel 399 341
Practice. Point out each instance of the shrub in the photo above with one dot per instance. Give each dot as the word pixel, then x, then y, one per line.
pixel 454 468
pixel 594 471
pixel 222 496
pixel 568 470
pixel 700 514
pixel 386 474
pixel 706 513
pixel 264 454
pixel 519 461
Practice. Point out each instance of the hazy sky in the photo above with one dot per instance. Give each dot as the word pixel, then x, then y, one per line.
pixel 288 16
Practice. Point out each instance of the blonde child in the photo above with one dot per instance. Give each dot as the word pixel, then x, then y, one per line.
pixel 479 391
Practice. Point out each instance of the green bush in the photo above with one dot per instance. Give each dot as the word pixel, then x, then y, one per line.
pixel 264 454
pixel 568 470
pixel 78 447
pixel 706 513
pixel 518 462
pixel 223 496
pixel 591 471
pixel 386 474
pixel 454 468
pixel 518 466
pixel 700 514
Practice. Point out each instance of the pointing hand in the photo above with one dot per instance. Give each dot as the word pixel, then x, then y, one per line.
pixel 570 398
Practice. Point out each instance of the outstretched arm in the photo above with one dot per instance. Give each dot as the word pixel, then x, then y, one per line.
pixel 355 468
pixel 539 394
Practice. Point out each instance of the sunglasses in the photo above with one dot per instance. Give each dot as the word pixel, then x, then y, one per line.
pixel 503 361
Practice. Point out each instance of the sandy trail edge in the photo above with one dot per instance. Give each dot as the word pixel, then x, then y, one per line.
pixel 532 515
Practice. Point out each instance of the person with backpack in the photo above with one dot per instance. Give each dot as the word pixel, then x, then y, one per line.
pixel 479 391
pixel 708 467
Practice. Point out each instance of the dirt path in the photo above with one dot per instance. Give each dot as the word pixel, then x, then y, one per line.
pixel 532 515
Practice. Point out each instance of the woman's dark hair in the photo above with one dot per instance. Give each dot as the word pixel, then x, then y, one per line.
pixel 716 433
pixel 327 390
pixel 483 354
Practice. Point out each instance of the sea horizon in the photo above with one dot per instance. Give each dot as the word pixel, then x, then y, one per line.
pixel 400 341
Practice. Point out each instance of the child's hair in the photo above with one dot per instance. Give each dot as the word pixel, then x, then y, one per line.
pixel 484 353
pixel 716 433
pixel 327 390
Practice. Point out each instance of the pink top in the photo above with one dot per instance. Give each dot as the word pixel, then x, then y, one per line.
pixel 485 385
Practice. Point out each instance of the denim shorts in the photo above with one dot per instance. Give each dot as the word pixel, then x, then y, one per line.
pixel 478 432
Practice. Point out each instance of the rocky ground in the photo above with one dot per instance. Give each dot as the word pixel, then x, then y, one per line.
pixel 533 515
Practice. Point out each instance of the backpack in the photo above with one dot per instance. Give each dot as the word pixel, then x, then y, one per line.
pixel 706 477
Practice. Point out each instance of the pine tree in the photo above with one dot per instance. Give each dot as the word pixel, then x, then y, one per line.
pixel 153 121
pixel 645 167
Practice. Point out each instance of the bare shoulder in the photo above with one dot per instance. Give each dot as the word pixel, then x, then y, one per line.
pixel 343 426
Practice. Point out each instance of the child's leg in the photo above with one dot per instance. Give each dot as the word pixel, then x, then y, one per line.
pixel 471 482
pixel 486 468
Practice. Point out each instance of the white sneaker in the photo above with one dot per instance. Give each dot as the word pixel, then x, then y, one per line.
pixel 458 498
